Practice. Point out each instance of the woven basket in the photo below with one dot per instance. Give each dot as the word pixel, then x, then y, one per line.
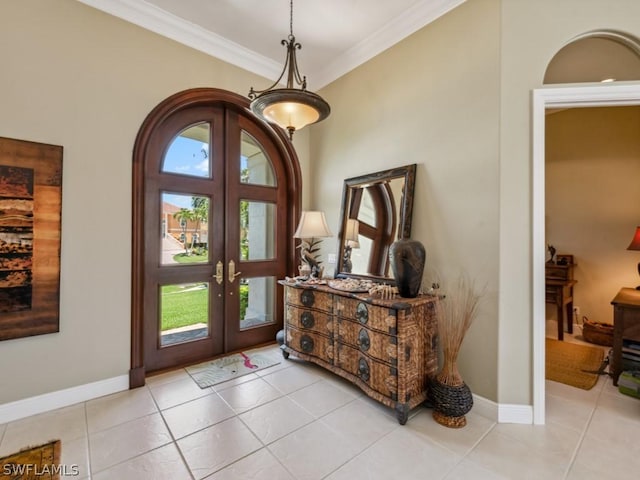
pixel 596 332
pixel 450 403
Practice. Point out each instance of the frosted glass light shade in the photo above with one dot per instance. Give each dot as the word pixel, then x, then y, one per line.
pixel 290 108
pixel 291 115
pixel 312 225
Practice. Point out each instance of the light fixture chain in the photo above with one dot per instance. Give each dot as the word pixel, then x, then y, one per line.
pixel 290 18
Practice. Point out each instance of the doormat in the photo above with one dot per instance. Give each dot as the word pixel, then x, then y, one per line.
pixel 42 463
pixel 572 364
pixel 226 368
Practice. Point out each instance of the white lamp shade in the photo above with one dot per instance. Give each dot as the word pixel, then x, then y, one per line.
pixel 312 225
pixel 351 230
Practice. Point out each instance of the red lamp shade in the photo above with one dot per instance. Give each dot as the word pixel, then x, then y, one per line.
pixel 635 243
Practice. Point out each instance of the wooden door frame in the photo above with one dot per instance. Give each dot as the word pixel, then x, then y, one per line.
pixel 184 100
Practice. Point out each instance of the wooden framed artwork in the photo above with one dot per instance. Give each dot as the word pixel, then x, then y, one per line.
pixel 30 221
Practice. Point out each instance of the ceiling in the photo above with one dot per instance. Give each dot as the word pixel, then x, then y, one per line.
pixel 336 35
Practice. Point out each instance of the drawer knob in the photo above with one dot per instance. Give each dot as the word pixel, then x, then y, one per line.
pixel 307 320
pixel 363 369
pixel 363 340
pixel 306 343
pixel 362 313
pixel 307 298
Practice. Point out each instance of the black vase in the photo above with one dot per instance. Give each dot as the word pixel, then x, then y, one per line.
pixel 407 258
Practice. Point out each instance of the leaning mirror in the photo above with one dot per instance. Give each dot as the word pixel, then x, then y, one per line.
pixel 376 211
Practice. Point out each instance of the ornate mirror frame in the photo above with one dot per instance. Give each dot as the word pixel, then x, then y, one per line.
pixel 389 219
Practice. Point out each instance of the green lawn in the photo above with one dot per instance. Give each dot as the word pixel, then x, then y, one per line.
pixel 183 305
pixel 193 258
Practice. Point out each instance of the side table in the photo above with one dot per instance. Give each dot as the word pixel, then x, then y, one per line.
pixel 626 325
pixel 560 293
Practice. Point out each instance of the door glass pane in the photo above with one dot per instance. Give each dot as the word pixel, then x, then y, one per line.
pixel 184 312
pixel 257 230
pixel 257 301
pixel 188 153
pixel 255 166
pixel 184 229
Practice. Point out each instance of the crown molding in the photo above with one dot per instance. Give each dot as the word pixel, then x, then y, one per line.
pixel 412 20
pixel 187 33
pixel 152 18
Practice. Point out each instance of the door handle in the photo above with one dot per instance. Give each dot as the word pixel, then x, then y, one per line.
pixel 232 271
pixel 219 276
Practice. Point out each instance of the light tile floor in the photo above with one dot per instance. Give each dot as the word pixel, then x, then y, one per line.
pixel 296 421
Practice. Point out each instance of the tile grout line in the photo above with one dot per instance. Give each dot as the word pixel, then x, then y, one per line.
pixel 174 441
pixel 86 427
pixel 583 434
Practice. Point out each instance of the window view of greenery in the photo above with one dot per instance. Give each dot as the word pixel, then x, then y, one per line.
pixel 183 307
pixel 185 239
pixel 191 236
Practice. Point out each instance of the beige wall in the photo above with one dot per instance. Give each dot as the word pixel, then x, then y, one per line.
pixel 454 98
pixel 593 200
pixel 432 100
pixel 532 32
pixel 79 78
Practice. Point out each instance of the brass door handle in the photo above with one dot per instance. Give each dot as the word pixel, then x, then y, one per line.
pixel 232 271
pixel 219 276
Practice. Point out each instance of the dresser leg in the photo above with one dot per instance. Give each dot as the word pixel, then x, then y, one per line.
pixel 402 413
pixel 285 354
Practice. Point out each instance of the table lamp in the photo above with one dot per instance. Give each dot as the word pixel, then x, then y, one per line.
pixel 312 225
pixel 635 245
pixel 351 232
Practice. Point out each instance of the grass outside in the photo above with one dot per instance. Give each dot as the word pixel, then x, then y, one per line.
pixel 188 304
pixel 184 305
pixel 193 258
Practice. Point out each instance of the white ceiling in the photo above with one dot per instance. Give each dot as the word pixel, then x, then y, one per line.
pixel 336 35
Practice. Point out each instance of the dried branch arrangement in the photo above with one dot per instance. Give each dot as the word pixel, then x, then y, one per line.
pixel 456 312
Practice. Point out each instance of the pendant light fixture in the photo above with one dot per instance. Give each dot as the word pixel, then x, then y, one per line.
pixel 290 108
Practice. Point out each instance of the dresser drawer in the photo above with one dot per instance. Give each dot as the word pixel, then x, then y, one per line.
pixel 371 316
pixel 374 344
pixel 310 343
pixel 309 298
pixel 378 376
pixel 306 319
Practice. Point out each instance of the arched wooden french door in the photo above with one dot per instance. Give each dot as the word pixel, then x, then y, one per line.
pixel 215 199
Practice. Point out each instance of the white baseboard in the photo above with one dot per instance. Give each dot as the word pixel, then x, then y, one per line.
pixel 502 413
pixel 515 414
pixel 62 398
pixel 486 408
pixel 70 396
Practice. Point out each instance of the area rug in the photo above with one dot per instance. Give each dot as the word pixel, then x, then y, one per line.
pixel 42 463
pixel 226 368
pixel 572 364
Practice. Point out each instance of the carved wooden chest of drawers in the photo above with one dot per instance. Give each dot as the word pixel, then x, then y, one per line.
pixel 385 347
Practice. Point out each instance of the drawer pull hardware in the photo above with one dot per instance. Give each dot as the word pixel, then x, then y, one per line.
pixel 363 340
pixel 306 343
pixel 362 314
pixel 307 320
pixel 307 298
pixel 363 369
